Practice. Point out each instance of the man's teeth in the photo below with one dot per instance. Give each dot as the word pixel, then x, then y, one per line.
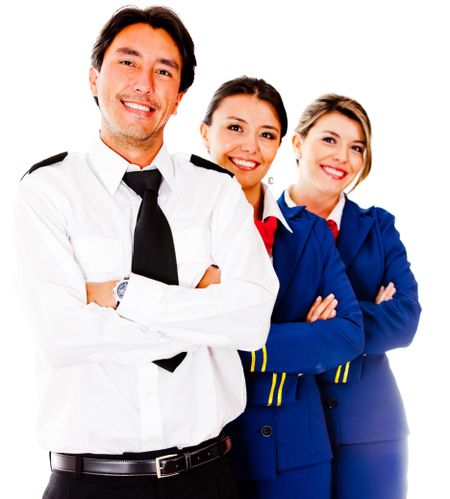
pixel 333 171
pixel 140 107
pixel 243 163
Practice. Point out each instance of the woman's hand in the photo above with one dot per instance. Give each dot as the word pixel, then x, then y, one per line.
pixel 385 293
pixel 101 293
pixel 322 309
pixel 211 276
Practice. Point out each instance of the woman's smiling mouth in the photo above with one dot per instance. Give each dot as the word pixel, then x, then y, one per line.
pixel 333 172
pixel 244 164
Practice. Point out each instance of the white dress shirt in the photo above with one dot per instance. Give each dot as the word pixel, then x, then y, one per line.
pixel 99 390
pixel 336 212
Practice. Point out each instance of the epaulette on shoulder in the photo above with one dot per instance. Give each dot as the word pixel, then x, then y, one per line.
pixel 45 162
pixel 209 165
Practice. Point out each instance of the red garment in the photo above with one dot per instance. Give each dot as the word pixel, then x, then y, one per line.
pixel 334 228
pixel 267 230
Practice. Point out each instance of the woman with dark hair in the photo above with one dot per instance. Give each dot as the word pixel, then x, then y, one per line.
pixel 280 442
pixel 363 407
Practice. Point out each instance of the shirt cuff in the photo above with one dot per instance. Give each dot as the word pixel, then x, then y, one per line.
pixel 141 299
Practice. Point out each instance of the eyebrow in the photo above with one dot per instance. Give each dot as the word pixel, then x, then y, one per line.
pixel 128 51
pixel 337 135
pixel 167 62
pixel 270 127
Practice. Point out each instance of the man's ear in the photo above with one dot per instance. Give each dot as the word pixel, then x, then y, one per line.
pixel 177 102
pixel 93 75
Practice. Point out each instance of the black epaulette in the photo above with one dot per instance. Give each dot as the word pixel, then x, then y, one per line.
pixel 209 165
pixel 45 162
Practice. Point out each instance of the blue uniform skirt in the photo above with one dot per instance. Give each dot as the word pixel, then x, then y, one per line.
pixel 307 482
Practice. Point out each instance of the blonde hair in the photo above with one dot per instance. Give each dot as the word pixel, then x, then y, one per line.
pixel 333 103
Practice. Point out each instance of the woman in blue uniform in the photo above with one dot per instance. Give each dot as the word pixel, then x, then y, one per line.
pixel 363 407
pixel 280 443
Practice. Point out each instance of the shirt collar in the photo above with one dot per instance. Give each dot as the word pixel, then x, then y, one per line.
pixel 288 200
pixel 271 208
pixel 336 212
pixel 111 167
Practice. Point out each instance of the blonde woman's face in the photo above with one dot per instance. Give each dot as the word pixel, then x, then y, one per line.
pixel 332 154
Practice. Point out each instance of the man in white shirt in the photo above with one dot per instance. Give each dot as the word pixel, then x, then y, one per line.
pixel 114 421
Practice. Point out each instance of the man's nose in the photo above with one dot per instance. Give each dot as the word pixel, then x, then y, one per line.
pixel 144 82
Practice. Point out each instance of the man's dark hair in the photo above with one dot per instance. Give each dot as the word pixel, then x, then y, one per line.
pixel 158 18
pixel 249 86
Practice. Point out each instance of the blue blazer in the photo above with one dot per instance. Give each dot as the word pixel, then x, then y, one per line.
pixel 283 426
pixel 361 398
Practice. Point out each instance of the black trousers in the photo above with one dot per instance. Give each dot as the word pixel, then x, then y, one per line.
pixel 214 480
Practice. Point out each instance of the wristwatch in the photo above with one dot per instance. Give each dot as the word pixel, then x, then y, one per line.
pixel 119 289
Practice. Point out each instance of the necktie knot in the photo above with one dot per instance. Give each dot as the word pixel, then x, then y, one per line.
pixel 267 230
pixel 149 180
pixel 332 225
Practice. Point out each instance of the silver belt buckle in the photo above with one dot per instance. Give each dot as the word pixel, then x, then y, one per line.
pixel 159 474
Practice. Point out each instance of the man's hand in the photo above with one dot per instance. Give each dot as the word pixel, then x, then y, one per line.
pixel 211 276
pixel 101 293
pixel 322 309
pixel 385 293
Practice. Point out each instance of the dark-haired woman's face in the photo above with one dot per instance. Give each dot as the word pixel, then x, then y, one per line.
pixel 332 154
pixel 244 137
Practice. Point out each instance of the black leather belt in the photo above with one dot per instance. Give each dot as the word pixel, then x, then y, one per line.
pixel 161 466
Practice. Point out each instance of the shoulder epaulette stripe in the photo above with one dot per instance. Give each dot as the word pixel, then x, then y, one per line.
pixel 209 165
pixel 49 161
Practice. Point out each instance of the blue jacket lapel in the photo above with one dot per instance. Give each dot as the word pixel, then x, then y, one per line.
pixel 288 246
pixel 355 226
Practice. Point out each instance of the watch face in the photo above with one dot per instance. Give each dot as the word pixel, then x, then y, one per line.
pixel 121 289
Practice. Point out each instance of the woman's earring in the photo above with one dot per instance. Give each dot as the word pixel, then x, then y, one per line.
pixel 271 180
pixel 299 155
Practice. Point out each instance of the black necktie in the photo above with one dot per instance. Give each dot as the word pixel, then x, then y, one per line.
pixel 153 248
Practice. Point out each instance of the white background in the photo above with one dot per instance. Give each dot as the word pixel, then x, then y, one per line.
pixel 391 56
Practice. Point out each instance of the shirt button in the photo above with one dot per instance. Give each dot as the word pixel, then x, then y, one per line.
pixel 331 403
pixel 266 431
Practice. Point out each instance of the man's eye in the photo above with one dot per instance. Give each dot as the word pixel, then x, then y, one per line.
pixel 164 72
pixel 126 63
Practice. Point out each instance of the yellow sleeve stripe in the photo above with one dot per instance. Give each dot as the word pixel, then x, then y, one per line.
pixel 252 365
pixel 347 367
pixel 264 363
pixel 338 374
pixel 280 389
pixel 272 389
